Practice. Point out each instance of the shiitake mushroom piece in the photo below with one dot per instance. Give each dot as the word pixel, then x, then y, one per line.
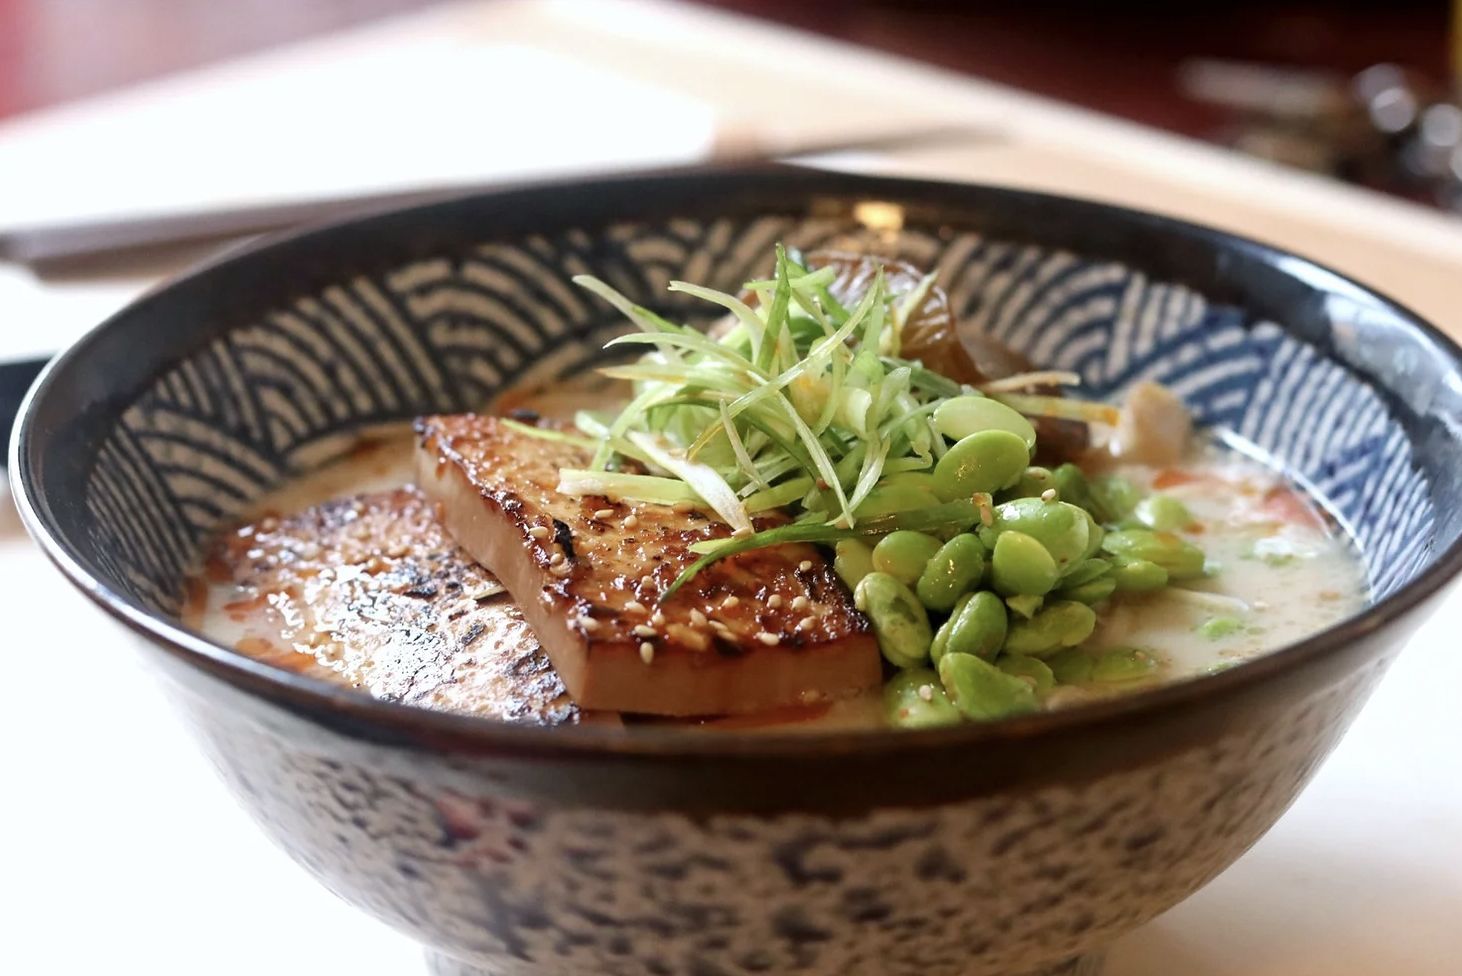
pixel 933 335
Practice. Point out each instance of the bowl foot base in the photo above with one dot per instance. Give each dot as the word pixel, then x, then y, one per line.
pixel 1089 964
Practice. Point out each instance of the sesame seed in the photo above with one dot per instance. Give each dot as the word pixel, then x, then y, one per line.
pixel 805 623
pixel 800 603
pixel 604 513
pixel 635 606
pixel 926 692
pixel 630 521
pixel 562 569
pixel 647 652
pixel 555 559
pixel 643 630
pixel 698 618
pixel 805 565
pixel 774 601
pixel 657 618
pixel 682 508
pixel 720 628
pixel 1049 495
pixel 768 639
pixel 647 581
pixel 588 624
pixel 539 532
pixel 730 603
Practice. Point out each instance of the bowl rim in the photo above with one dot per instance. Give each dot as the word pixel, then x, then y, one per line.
pixel 467 733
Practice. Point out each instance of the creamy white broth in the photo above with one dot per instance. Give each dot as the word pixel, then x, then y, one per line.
pixel 1277 572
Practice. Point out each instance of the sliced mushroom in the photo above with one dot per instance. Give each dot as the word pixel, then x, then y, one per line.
pixel 932 334
pixel 929 332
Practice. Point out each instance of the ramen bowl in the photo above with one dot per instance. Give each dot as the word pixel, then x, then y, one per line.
pixel 1017 847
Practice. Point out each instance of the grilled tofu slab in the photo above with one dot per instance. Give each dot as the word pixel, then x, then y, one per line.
pixel 766 629
pixel 370 592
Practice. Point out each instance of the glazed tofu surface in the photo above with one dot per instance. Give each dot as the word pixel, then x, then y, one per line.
pixel 766 629
pixel 370 592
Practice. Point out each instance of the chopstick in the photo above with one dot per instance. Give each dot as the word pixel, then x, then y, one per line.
pixel 47 246
pixel 43 245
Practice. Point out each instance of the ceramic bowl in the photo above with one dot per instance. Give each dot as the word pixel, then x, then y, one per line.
pixel 1020 847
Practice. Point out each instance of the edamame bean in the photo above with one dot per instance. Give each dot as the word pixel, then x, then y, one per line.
pixel 904 554
pixel 1092 592
pixel 1122 664
pixel 1063 529
pixel 1072 666
pixel 1113 498
pixel 1095 535
pixel 905 705
pixel 1021 566
pixel 1086 571
pixel 941 636
pixel 959 417
pixel 986 461
pixel 1031 669
pixel 978 627
pixel 1163 512
pixel 1217 628
pixel 1139 576
pixel 1033 482
pixel 982 691
pixel 899 620
pixel 949 573
pixel 852 560
pixel 1182 560
pixel 886 499
pixel 1025 607
pixel 1071 485
pixel 1064 623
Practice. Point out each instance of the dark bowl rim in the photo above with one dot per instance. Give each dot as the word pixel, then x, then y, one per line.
pixel 457 732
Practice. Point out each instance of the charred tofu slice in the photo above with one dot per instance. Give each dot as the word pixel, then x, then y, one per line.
pixel 370 592
pixel 766 629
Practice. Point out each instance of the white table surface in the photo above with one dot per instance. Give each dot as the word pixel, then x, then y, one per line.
pixel 119 849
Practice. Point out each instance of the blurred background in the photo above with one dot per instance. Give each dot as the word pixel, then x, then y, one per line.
pixel 1365 91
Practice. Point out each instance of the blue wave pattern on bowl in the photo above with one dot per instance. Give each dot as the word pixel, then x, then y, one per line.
pixel 444 335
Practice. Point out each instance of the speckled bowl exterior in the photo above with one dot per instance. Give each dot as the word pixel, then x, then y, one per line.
pixel 1014 848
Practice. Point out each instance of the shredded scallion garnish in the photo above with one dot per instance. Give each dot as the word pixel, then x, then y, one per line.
pixel 799 403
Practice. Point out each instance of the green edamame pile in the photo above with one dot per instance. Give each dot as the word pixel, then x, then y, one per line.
pixel 984 622
pixel 841 402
